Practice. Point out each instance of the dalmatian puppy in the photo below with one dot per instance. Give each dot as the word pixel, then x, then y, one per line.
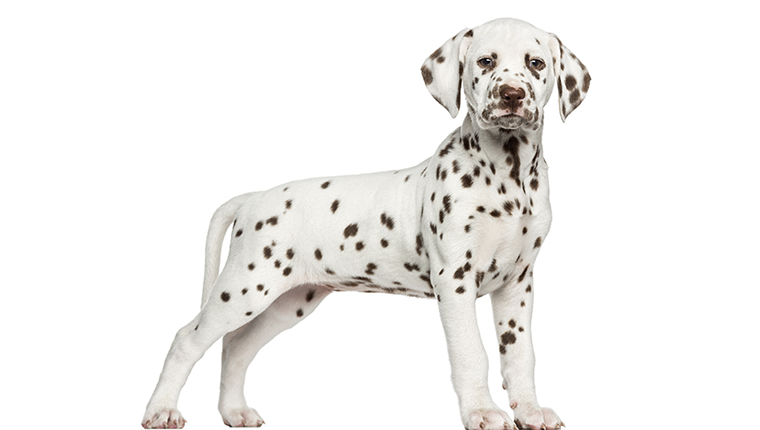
pixel 465 223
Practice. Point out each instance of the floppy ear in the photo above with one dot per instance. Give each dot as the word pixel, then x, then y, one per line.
pixel 442 71
pixel 573 79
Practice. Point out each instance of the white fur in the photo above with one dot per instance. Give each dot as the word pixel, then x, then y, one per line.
pixel 467 222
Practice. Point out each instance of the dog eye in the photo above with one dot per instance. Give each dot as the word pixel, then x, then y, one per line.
pixel 485 62
pixel 536 63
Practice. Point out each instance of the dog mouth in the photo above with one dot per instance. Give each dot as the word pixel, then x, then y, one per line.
pixel 509 121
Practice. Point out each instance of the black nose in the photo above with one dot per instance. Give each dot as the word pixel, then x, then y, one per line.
pixel 511 93
pixel 511 97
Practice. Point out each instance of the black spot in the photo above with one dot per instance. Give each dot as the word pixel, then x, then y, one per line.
pixel 468 254
pixel 272 221
pixel 440 216
pixel 411 267
pixel 329 271
pixel 325 184
pixel 248 314
pixel 508 338
pixel 267 252
pixel 259 225
pixel 455 166
pixel 525 230
pixel 318 254
pixel 290 254
pixel 481 209
pixel 537 243
pixel 287 271
pixel 446 149
pixel 512 323
pixel 245 290
pixel 508 206
pixel 528 289
pixel 225 296
pixel 534 184
pixel 371 268
pixel 420 244
pixel 299 313
pixel 260 287
pixel 277 264
pixel 359 246
pixel 447 203
pixel 459 274
pixel 310 295
pixel 432 197
pixel 427 75
pixel 196 327
pixel 386 221
pixel 495 213
pixel 350 230
pixel 461 289
pixel 334 206
pixel 492 267
pixel 522 275
pixel 239 232
pixel 251 266
pixel 433 228
pixel 383 243
pixel 467 228
pixel 288 204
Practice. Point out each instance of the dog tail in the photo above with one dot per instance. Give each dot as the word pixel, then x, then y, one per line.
pixel 220 221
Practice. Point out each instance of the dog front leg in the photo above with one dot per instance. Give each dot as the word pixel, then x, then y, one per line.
pixel 469 362
pixel 512 310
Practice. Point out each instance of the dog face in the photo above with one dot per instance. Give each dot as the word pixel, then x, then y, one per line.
pixel 505 87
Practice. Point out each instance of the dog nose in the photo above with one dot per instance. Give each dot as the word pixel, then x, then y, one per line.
pixel 512 94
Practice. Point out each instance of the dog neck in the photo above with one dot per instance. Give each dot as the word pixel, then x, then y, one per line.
pixel 519 151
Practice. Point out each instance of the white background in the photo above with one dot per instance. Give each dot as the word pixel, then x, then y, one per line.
pixel 124 125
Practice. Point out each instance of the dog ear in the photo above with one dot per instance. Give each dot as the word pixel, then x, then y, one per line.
pixel 573 78
pixel 443 69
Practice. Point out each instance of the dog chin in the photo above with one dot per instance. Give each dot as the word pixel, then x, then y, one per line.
pixel 509 122
pixel 505 122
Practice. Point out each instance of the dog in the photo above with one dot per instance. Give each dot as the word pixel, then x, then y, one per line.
pixel 465 223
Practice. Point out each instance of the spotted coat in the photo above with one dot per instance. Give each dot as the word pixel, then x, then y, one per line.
pixel 465 223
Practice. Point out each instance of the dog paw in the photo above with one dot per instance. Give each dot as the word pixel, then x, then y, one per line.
pixel 167 418
pixel 488 419
pixel 242 417
pixel 534 417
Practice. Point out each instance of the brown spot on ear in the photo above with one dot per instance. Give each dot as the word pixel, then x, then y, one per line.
pixel 570 82
pixel 469 34
pixel 427 75
pixel 586 82
pixel 437 53
pixel 575 98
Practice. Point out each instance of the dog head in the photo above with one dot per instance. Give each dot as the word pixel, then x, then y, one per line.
pixel 507 69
